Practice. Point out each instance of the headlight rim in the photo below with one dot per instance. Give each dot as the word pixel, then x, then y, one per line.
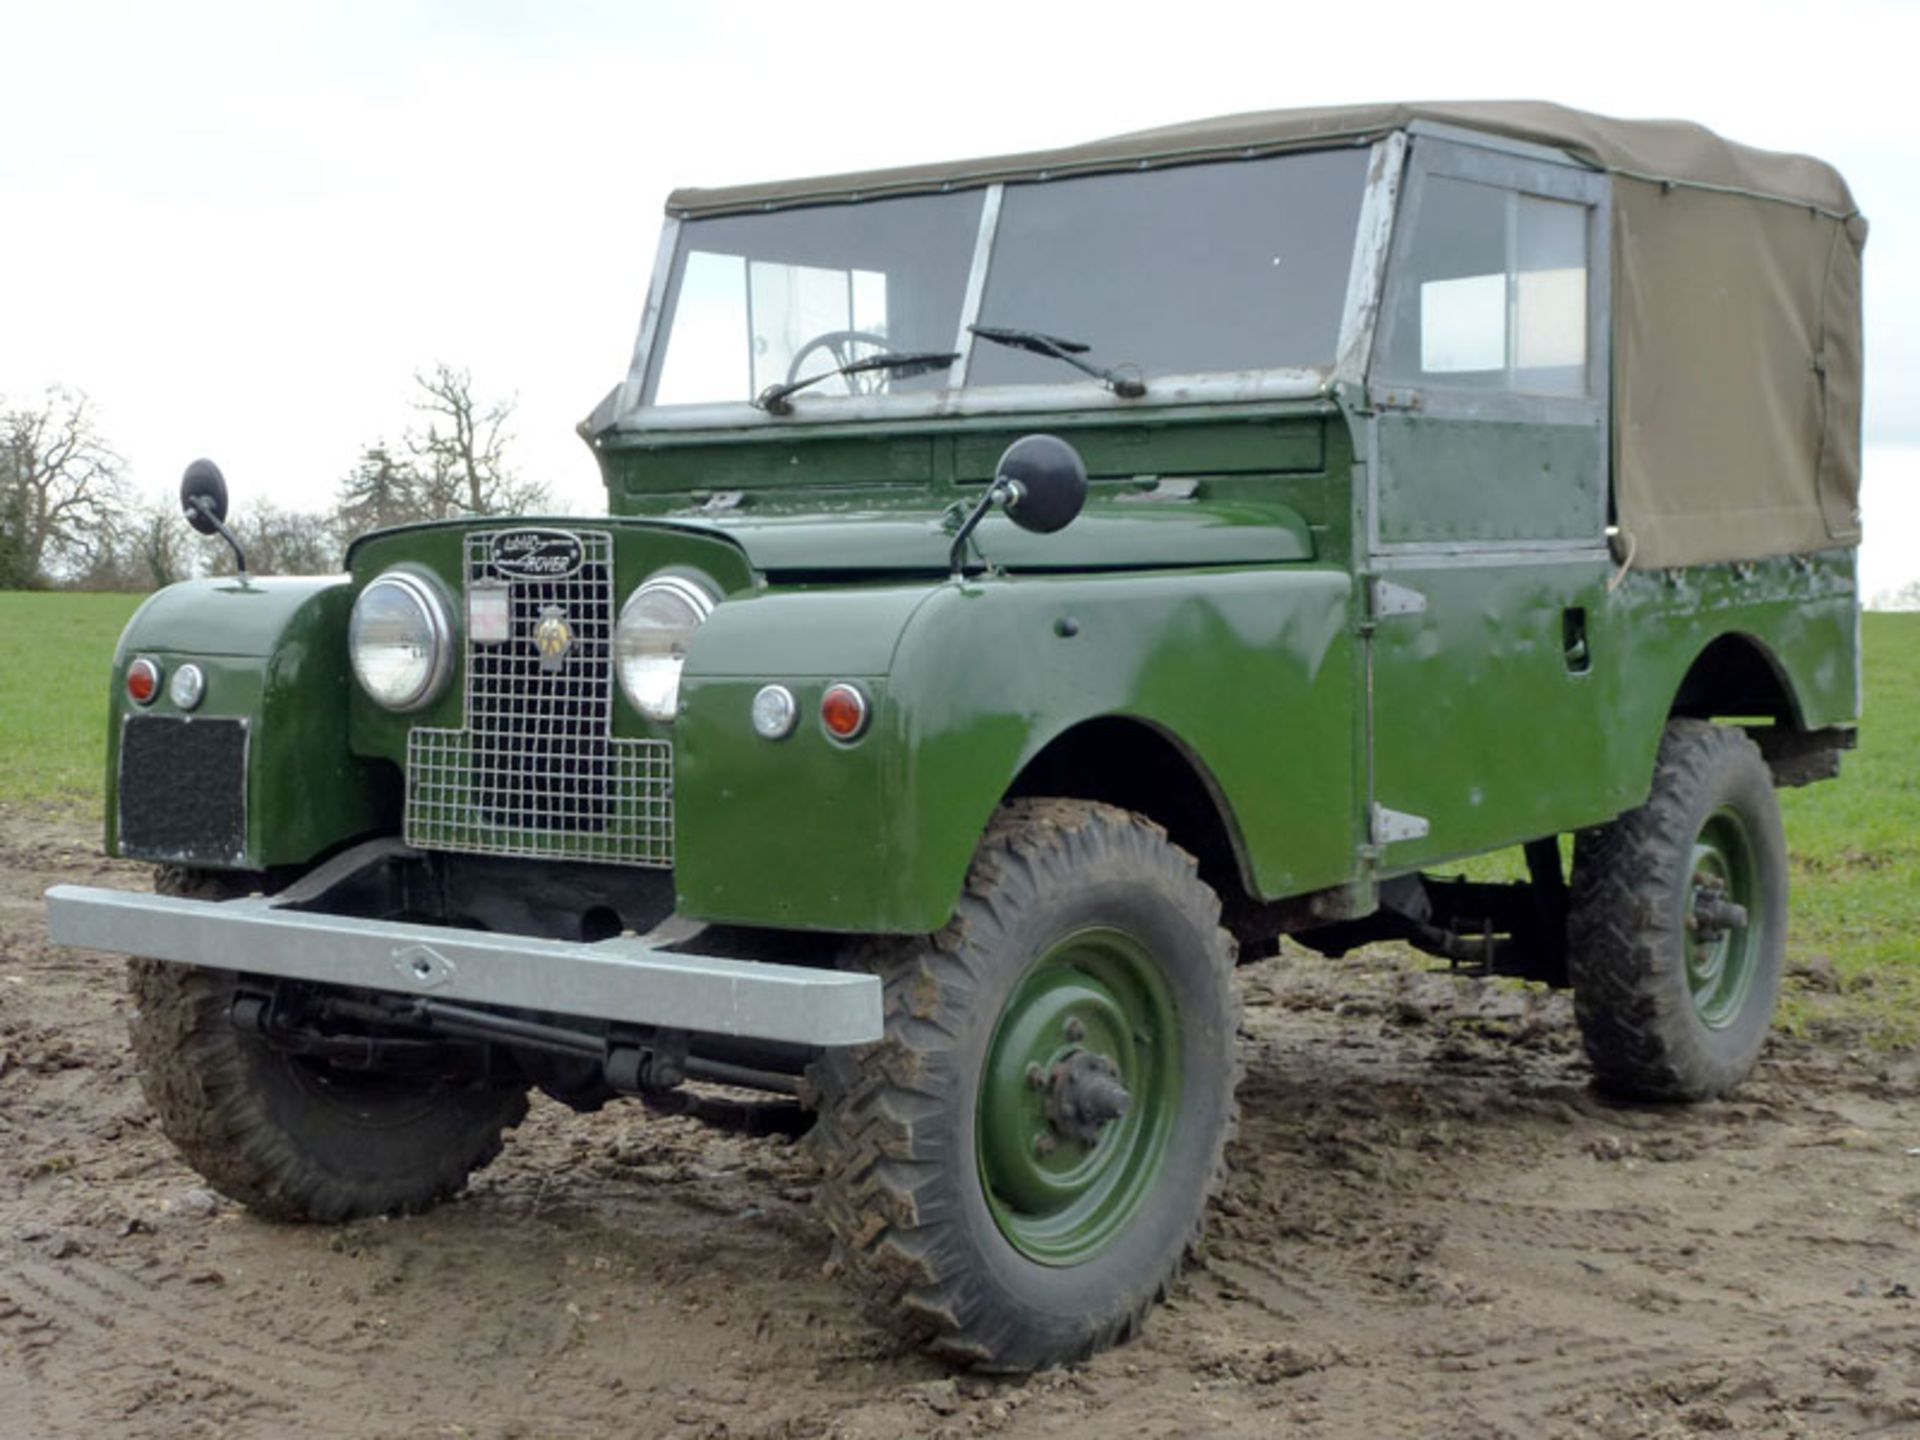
pixel 432 598
pixel 700 596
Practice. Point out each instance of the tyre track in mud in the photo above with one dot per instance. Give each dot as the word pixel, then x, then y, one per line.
pixel 1432 1229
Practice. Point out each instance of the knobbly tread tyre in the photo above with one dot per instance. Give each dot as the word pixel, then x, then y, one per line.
pixel 1626 931
pixel 231 1108
pixel 908 1222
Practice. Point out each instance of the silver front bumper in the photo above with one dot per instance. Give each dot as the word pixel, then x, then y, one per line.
pixel 627 980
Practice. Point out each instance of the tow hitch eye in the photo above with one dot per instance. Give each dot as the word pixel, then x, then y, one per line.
pixel 1084 1096
pixel 1713 915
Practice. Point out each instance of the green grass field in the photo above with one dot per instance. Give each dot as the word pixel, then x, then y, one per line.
pixel 1855 843
pixel 54 654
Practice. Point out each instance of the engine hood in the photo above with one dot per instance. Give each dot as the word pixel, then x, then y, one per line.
pixel 1116 536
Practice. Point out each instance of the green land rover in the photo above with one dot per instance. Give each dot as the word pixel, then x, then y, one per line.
pixel 1028 587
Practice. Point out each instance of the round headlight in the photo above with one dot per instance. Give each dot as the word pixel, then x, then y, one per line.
pixel 650 642
pixel 401 640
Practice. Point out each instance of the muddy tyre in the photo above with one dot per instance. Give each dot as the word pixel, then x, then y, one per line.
pixel 290 1137
pixel 1018 1170
pixel 1679 922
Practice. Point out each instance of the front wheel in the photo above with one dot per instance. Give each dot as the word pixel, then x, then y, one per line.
pixel 1678 925
pixel 289 1136
pixel 1019 1168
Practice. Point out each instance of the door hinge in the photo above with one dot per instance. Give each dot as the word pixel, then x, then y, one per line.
pixel 1390 826
pixel 1390 599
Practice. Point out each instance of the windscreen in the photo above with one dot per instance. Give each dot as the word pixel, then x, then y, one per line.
pixel 764 300
pixel 1195 269
pixel 1185 271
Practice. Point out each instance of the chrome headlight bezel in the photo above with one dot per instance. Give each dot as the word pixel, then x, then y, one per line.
pixel 648 657
pixel 434 613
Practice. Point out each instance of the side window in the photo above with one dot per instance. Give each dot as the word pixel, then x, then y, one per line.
pixel 1491 293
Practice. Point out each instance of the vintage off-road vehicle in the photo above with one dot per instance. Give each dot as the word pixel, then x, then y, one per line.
pixel 1029 586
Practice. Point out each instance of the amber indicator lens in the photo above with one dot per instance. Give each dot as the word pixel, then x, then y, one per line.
pixel 143 681
pixel 843 710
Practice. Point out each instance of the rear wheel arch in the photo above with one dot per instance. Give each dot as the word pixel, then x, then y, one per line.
pixel 1737 675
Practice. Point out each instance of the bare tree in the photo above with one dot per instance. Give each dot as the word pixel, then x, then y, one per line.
pixel 63 482
pixel 462 452
pixel 158 553
pixel 380 491
pixel 277 542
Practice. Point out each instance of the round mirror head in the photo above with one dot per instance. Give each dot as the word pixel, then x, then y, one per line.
pixel 203 479
pixel 1050 482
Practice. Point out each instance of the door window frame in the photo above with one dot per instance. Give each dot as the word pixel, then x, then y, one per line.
pixel 1448 153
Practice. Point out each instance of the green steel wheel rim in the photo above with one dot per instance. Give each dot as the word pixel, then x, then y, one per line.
pixel 1094 1007
pixel 1722 960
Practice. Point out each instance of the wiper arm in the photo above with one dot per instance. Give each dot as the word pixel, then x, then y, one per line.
pixel 1127 387
pixel 773 399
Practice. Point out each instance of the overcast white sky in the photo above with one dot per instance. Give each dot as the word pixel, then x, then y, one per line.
pixel 241 227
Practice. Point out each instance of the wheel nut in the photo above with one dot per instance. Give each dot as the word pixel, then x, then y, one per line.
pixel 1075 1030
pixel 1036 1076
pixel 1044 1143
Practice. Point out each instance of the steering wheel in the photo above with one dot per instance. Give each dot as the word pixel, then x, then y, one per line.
pixel 844 346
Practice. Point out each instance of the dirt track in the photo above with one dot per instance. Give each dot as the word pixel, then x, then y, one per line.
pixel 1433 1230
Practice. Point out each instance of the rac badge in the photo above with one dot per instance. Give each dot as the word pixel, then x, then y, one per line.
pixel 553 637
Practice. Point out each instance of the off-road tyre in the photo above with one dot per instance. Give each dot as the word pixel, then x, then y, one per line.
pixel 271 1130
pixel 1649 1033
pixel 904 1190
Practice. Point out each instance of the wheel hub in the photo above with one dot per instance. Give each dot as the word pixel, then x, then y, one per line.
pixel 1084 1095
pixel 1722 938
pixel 1077 1095
pixel 1713 915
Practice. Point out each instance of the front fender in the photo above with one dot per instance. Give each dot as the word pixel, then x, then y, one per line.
pixel 274 652
pixel 1250 669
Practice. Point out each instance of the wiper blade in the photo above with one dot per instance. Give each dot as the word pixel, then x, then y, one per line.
pixel 1128 387
pixel 773 399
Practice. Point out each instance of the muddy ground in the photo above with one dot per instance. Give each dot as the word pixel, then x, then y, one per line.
pixel 1433 1229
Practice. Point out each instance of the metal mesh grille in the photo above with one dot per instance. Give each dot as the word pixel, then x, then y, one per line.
pixel 537 771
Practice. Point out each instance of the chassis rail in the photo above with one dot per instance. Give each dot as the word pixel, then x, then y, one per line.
pixel 629 980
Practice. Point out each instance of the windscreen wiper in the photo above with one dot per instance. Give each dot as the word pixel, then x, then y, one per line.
pixel 773 399
pixel 1127 387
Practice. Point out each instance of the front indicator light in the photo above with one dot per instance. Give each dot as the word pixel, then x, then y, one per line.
pixel 188 688
pixel 774 712
pixel 143 681
pixel 843 712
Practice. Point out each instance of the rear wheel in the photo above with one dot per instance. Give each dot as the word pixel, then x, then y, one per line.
pixel 1018 1169
pixel 1679 922
pixel 292 1136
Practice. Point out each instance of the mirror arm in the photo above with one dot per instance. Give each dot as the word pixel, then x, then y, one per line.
pixel 1003 491
pixel 205 506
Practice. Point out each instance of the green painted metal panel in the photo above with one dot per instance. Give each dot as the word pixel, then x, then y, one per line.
pixel 1279 446
pixel 274 654
pixel 1249 670
pixel 1117 531
pixel 1446 479
pixel 1484 726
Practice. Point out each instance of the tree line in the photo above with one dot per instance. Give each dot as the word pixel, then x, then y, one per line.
pixel 69 517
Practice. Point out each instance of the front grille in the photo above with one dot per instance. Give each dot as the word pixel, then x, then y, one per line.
pixel 537 771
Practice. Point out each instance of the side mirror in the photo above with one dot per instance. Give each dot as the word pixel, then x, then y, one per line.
pixel 203 499
pixel 1042 482
pixel 1046 482
pixel 203 496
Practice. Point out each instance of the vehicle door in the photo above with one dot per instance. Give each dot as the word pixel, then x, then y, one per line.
pixel 1487 503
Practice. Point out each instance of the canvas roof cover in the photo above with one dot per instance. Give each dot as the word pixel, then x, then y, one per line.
pixel 1736 302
